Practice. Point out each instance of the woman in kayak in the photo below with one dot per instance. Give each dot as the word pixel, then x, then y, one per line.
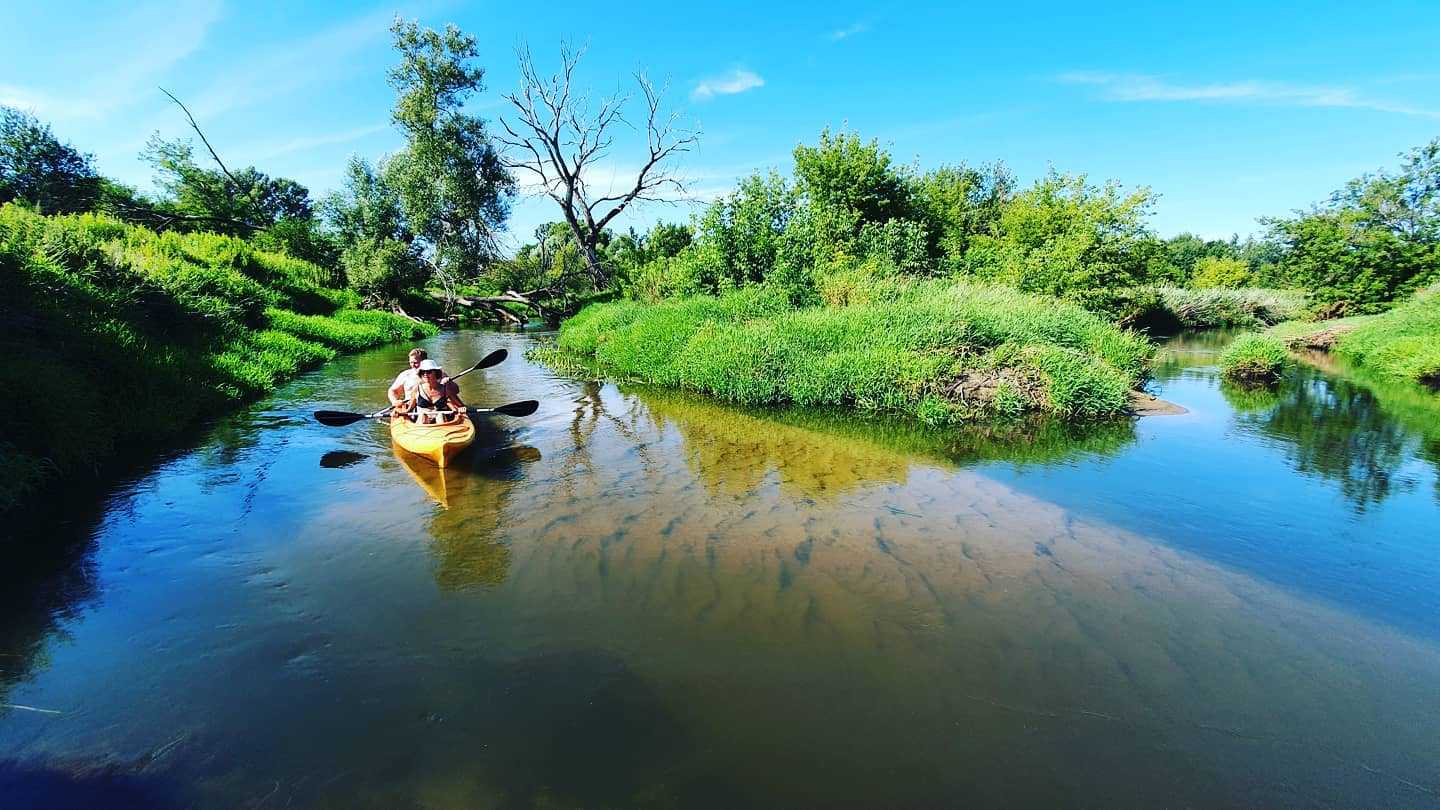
pixel 436 400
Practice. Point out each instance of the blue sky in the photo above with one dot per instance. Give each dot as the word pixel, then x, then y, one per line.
pixel 1229 111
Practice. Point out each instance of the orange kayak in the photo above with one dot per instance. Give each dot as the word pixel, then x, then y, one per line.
pixel 437 443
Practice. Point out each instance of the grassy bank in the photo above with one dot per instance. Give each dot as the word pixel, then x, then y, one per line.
pixel 113 334
pixel 941 352
pixel 1402 344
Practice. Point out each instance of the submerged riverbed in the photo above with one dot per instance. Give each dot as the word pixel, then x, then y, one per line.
pixel 638 598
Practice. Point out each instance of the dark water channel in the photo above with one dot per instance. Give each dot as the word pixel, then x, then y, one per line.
pixel 636 598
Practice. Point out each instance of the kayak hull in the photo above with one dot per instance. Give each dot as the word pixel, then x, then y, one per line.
pixel 438 444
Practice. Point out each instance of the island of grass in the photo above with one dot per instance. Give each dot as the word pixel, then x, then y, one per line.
pixel 135 335
pixel 939 351
pixel 1254 359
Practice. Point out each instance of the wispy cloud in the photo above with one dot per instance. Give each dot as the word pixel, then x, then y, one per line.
pixel 1141 87
pixel 736 81
pixel 270 151
pixel 293 66
pixel 849 31
pixel 169 35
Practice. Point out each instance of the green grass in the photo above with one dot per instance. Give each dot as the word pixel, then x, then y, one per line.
pixel 183 325
pixel 941 352
pixel 1254 358
pixel 1402 344
pixel 1216 308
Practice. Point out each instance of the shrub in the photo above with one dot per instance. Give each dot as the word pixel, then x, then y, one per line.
pixel 1254 359
pixel 933 350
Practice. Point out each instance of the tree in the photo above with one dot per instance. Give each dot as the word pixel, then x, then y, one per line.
pixel 37 168
pixel 1218 271
pixel 1375 240
pixel 958 203
pixel 557 139
pixel 845 174
pixel 451 184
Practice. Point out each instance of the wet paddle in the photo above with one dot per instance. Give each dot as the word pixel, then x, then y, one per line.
pixel 524 408
pixel 343 418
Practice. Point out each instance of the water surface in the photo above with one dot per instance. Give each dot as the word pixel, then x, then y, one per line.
pixel 639 598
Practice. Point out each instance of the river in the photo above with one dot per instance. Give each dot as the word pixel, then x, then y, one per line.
pixel 638 598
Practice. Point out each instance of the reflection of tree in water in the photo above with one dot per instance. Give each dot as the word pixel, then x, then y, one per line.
pixel 48 578
pixel 1338 430
pixel 474 495
pixel 818 453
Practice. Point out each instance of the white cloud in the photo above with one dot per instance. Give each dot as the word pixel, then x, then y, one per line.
pixel 262 152
pixel 849 31
pixel 1140 87
pixel 128 75
pixel 736 81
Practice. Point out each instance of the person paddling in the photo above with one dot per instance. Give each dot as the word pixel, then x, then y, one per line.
pixel 405 382
pixel 435 400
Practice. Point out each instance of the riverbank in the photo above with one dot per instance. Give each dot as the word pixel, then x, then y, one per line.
pixel 942 352
pixel 1402 344
pixel 114 335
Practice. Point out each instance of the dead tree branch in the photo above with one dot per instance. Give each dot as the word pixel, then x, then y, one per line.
pixel 557 139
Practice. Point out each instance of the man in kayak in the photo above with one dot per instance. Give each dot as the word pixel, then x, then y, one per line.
pixel 435 400
pixel 404 386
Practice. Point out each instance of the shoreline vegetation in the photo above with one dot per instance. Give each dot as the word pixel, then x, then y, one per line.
pixel 137 335
pixel 946 294
pixel 941 352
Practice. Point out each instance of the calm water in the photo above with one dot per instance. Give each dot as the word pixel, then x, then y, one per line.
pixel 635 598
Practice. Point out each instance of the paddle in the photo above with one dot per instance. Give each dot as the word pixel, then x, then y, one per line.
pixel 525 408
pixel 343 418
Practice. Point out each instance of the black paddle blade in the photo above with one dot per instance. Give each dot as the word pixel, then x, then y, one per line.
pixel 525 408
pixel 494 358
pixel 339 418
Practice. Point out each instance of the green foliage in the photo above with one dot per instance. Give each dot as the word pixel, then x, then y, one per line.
pixel 1375 241
pixel 1402 344
pixel 152 323
pixel 238 203
pixel 1221 271
pixel 36 168
pixel 844 174
pixel 451 184
pixel 933 350
pixel 1217 308
pixel 1254 359
pixel 1067 238
pixel 959 203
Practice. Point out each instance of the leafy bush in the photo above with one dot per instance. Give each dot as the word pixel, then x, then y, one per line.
pixel 1221 271
pixel 1254 358
pixel 934 350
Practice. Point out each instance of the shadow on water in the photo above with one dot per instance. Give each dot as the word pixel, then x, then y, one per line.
pixel 25 786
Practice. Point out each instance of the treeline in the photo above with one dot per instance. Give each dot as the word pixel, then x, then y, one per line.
pixel 849 214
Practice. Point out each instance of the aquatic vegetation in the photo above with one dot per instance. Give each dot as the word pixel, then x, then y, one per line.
pixel 1254 358
pixel 158 329
pixel 941 352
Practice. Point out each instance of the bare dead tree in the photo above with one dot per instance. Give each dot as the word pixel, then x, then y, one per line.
pixel 557 138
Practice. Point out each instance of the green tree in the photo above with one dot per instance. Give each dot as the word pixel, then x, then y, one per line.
pixel 449 180
pixel 1376 240
pixel 958 203
pixel 36 168
pixel 1217 271
pixel 1066 237
pixel 847 175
